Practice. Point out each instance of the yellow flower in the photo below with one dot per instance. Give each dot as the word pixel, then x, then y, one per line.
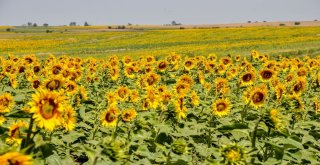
pixel 129 72
pixel 123 93
pixel 69 121
pixel 299 86
pixel 256 96
pixel 110 117
pixel 6 103
pixel 189 64
pixel 221 107
pixel 71 87
pixel 15 137
pixel 180 109
pixel 267 74
pixel 47 107
pixel 54 83
pixel 151 79
pixel 162 65
pixel 114 73
pixel 15 158
pixel 233 155
pixel 248 78
pixel 134 96
pixel 194 99
pixel 128 115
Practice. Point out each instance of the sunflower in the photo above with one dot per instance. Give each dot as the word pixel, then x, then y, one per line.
pixel 110 117
pixel 226 61
pixel 6 103
pixel 256 96
pixel 182 88
pixel 267 75
pixel 201 77
pixel 128 115
pixel 186 79
pixel 166 97
pixel 254 54
pixel 134 96
pixel 56 69
pixel 15 158
pixel 222 85
pixel 248 78
pixel 299 86
pixel 162 65
pixel 152 98
pixel 189 64
pixel 71 87
pixel 212 57
pixel 127 60
pixel 129 72
pixel 290 78
pixel 36 83
pixel 151 79
pixel 194 99
pixel 233 155
pixel 47 107
pixel 210 66
pixel 273 119
pixel 280 91
pixel 302 72
pixel 221 107
pixel 296 102
pixel 54 83
pixel 69 121
pixel 14 133
pixel 123 93
pixel 150 59
pixel 180 109
pixel 238 58
pixel 114 73
pixel 83 93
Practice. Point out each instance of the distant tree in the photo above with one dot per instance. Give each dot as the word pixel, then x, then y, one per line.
pixel 109 27
pixel 29 23
pixel 129 24
pixel 173 23
pixel 296 23
pixel 9 30
pixel 86 24
pixel 315 20
pixel 73 24
pixel 264 21
pixel 45 25
pixel 282 24
pixel 34 25
pixel 249 21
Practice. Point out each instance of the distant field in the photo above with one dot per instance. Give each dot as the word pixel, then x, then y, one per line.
pixel 99 41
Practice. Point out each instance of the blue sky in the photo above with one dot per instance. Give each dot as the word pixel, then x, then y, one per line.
pixel 102 12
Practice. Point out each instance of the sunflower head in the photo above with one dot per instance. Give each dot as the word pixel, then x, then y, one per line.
pixel 266 75
pixel 162 65
pixel 110 117
pixel 221 107
pixel 189 64
pixel 256 96
pixel 233 154
pixel 47 107
pixel 123 93
pixel 248 78
pixel 15 158
pixel 128 115
pixel 54 83
pixel 6 103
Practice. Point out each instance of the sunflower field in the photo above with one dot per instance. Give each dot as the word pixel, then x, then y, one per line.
pixel 173 109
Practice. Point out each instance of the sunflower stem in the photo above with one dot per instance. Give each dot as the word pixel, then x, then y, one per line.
pixel 29 132
pixel 254 133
